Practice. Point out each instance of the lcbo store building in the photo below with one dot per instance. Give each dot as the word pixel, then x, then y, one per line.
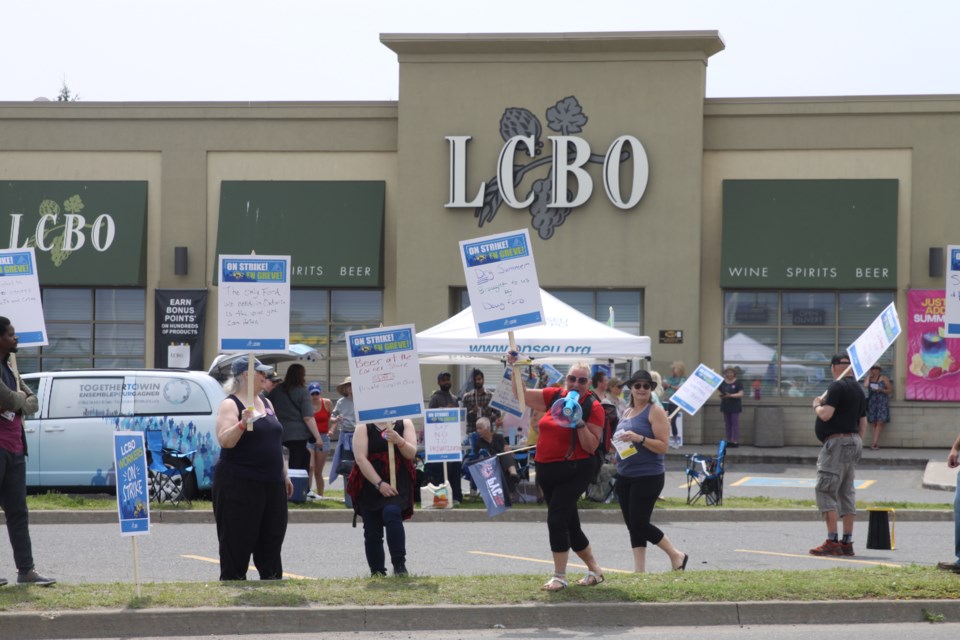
pixel 764 234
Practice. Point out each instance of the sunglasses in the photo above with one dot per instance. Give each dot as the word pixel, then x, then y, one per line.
pixel 575 379
pixel 643 385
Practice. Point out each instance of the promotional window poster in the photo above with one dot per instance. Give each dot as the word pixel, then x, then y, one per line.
pixel 181 316
pixel 932 358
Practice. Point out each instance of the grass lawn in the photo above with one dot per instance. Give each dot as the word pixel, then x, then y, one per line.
pixel 880 583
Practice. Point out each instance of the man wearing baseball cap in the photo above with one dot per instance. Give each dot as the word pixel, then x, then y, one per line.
pixel 841 423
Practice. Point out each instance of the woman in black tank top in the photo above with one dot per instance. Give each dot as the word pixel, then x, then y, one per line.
pixel 250 483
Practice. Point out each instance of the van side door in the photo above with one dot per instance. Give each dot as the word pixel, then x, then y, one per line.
pixel 76 433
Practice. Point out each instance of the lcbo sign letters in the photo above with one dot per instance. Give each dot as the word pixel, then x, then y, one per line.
pixel 569 155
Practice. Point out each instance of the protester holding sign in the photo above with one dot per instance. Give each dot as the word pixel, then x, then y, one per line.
pixel 382 506
pixel 640 471
pixel 250 483
pixel 841 423
pixel 565 466
pixel 15 400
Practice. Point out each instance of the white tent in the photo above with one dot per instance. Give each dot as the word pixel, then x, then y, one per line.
pixel 567 336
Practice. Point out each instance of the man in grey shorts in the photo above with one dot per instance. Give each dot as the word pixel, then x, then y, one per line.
pixel 841 423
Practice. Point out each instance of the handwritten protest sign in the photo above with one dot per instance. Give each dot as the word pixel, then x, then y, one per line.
pixel 873 342
pixel 952 318
pixel 502 282
pixel 133 498
pixel 698 388
pixel 20 296
pixel 441 436
pixel 253 313
pixel 385 373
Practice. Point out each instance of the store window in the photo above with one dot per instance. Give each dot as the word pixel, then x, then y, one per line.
pixel 90 328
pixel 782 341
pixel 321 317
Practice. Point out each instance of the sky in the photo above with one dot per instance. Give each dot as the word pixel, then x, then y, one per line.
pixel 299 50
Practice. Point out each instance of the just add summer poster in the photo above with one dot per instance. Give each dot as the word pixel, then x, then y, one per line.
pixel 933 361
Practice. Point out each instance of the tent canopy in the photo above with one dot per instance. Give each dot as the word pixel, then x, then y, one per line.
pixel 567 336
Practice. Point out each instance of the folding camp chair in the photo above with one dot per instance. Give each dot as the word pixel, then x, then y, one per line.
pixel 705 476
pixel 166 469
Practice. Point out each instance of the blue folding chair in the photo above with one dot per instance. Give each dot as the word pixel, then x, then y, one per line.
pixel 166 469
pixel 705 476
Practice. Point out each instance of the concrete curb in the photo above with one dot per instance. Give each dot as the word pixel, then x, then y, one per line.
pixel 594 516
pixel 273 620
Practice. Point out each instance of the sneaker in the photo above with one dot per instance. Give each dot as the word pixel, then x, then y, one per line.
pixel 32 577
pixel 847 549
pixel 949 566
pixel 311 496
pixel 400 569
pixel 3 582
pixel 829 548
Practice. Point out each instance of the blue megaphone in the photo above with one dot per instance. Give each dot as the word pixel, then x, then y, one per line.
pixel 566 411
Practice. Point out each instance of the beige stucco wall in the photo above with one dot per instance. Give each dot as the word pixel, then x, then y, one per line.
pixel 463 89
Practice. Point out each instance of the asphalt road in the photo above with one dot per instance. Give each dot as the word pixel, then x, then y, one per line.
pixel 188 552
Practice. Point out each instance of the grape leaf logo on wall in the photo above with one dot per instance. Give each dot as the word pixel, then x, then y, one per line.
pixel 58 252
pixel 566 117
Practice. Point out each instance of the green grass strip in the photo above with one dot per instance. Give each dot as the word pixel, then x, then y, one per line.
pixel 875 583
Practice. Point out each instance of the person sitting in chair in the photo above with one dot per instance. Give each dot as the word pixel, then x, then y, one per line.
pixel 486 443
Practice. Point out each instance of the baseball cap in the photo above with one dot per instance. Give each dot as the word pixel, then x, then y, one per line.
pixel 441 376
pixel 274 377
pixel 840 358
pixel 240 365
pixel 314 387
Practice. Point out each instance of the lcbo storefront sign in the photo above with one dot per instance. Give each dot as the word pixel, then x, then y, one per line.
pixel 548 197
pixel 569 155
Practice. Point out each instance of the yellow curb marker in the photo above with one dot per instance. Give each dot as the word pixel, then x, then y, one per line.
pixel 292 576
pixel 811 557
pixel 539 561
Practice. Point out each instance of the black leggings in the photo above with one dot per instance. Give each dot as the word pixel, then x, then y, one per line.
pixel 251 519
pixel 562 484
pixel 637 496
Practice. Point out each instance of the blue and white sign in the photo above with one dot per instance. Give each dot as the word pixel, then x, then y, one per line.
pixel 872 343
pixel 951 317
pixel 133 497
pixel 441 436
pixel 253 310
pixel 502 282
pixel 505 396
pixel 698 388
pixel 20 296
pixel 385 372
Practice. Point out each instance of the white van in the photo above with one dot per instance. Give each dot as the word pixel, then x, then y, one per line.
pixel 70 437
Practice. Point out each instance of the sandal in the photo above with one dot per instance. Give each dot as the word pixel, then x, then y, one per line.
pixel 554 584
pixel 683 565
pixel 591 579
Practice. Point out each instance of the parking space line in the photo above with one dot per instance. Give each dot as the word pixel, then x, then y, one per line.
pixel 741 481
pixel 292 576
pixel 539 561
pixel 810 557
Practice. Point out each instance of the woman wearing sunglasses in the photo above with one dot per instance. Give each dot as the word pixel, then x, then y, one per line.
pixel 565 466
pixel 643 437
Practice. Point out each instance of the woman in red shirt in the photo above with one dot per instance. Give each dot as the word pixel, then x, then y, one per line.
pixel 322 408
pixel 565 466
